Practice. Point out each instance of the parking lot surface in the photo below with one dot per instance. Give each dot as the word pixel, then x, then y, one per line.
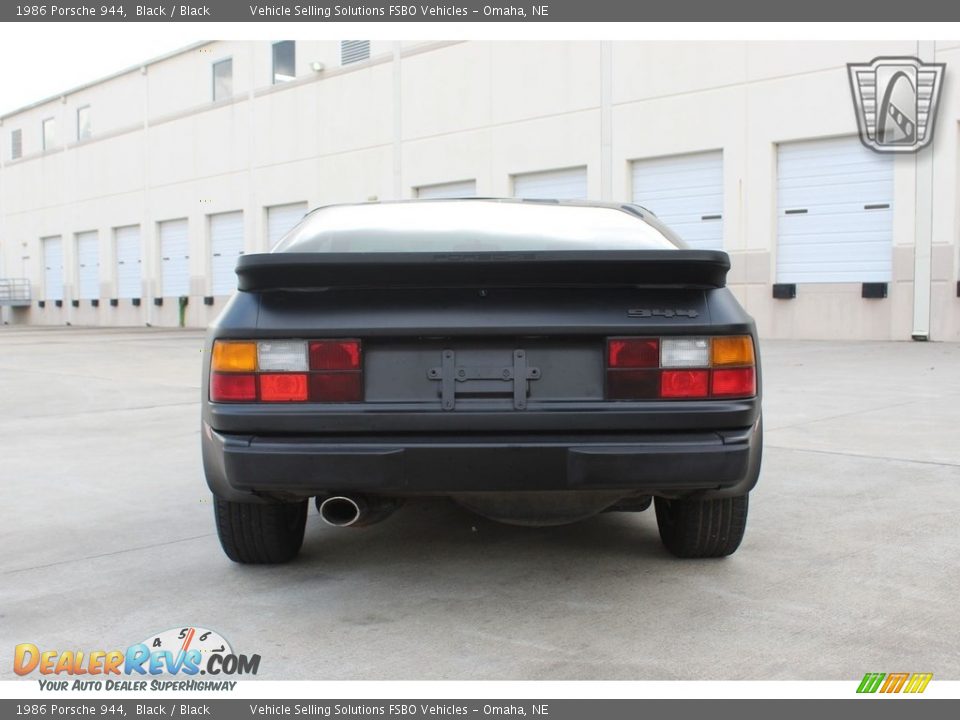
pixel 849 563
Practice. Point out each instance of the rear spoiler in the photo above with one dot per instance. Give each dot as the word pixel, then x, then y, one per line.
pixel 660 268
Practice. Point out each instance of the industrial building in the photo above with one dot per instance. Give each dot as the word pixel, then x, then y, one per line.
pixel 128 200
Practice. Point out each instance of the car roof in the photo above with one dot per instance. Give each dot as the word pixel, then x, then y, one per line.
pixel 479 222
pixel 631 208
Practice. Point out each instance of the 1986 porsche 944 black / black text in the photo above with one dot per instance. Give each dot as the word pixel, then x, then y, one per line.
pixel 538 362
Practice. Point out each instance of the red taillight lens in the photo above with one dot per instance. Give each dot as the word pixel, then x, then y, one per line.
pixel 684 383
pixel 283 387
pixel 633 384
pixel 343 356
pixel 735 382
pixel 335 355
pixel 336 387
pixel 233 387
pixel 633 353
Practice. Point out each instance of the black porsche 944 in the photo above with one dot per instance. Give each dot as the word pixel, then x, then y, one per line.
pixel 536 361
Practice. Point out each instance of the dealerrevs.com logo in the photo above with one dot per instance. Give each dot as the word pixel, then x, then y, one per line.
pixel 152 664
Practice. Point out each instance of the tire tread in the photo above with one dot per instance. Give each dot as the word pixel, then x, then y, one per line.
pixel 702 528
pixel 260 534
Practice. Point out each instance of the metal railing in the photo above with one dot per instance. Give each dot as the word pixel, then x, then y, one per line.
pixel 14 291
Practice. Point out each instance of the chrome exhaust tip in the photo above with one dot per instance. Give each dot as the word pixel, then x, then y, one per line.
pixel 341 511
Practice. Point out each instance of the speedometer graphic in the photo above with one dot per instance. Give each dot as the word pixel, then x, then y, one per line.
pixel 183 639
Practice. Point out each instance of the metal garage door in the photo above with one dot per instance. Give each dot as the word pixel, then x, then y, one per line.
pixel 465 188
pixel 128 261
pixel 226 245
pixel 834 212
pixel 282 218
pixel 567 184
pixel 88 266
pixel 686 193
pixel 52 268
pixel 174 258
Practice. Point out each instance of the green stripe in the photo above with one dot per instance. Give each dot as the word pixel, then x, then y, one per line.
pixel 879 682
pixel 871 682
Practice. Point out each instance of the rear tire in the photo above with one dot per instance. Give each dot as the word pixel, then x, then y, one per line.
pixel 260 534
pixel 702 528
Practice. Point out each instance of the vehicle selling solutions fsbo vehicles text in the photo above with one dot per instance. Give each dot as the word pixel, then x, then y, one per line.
pixel 408 10
pixel 316 11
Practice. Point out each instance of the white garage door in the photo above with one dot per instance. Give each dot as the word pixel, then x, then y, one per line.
pixel 282 218
pixel 567 184
pixel 52 268
pixel 686 193
pixel 174 258
pixel 128 261
pixel 834 212
pixel 463 189
pixel 226 245
pixel 88 265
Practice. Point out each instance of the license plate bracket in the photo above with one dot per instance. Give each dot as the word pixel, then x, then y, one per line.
pixel 449 374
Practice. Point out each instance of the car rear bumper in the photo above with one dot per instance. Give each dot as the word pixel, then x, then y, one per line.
pixel 244 467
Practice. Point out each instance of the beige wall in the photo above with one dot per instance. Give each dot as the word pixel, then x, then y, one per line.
pixel 458 111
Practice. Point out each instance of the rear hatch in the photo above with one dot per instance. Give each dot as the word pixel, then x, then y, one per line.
pixel 492 333
pixel 482 314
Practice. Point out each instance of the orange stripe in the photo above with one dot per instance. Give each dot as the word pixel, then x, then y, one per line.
pixel 894 682
pixel 188 639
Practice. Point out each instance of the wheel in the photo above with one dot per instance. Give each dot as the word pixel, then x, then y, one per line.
pixel 260 534
pixel 702 528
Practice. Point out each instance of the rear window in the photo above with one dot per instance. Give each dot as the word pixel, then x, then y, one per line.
pixel 471 226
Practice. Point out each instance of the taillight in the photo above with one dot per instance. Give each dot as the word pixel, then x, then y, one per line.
pixel 335 355
pixel 681 368
pixel 633 353
pixel 735 382
pixel 684 383
pixel 284 371
pixel 336 387
pixel 283 387
pixel 226 387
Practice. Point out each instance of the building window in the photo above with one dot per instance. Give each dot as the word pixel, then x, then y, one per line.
pixel 284 61
pixel 353 51
pixel 16 144
pixel 84 128
pixel 223 79
pixel 49 133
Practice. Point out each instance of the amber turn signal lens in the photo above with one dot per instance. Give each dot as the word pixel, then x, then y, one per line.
pixel 731 350
pixel 234 356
